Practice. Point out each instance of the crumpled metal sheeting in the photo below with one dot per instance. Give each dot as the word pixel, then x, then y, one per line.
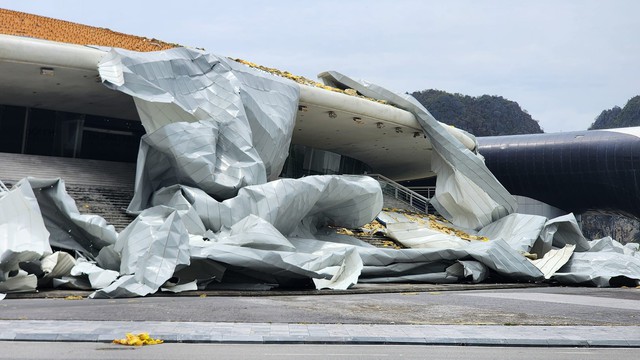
pixel 246 233
pixel 282 267
pixel 52 219
pixel 600 267
pixel 124 287
pixel 553 260
pixel 22 228
pixel 459 199
pixel 69 229
pixel 434 278
pixel 54 266
pixel 290 205
pixel 191 154
pixel 510 237
pixel 469 269
pixel 23 237
pixel 413 235
pixel 39 213
pixel 496 255
pixel 98 277
pixel 516 234
pixel 251 232
pixel 254 246
pixel 251 115
pixel 396 272
pixel 456 159
pixel 152 248
pixel 610 245
pixel 344 275
pixel 521 231
pixel 564 230
pixel 21 281
pixel 271 105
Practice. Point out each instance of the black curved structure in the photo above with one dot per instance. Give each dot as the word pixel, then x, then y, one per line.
pixel 596 170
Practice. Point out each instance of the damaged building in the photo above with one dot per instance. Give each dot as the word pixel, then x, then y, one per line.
pixel 136 166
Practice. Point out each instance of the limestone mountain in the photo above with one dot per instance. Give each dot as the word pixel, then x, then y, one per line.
pixel 616 117
pixel 482 116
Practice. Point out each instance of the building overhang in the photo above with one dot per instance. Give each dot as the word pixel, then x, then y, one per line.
pixel 64 77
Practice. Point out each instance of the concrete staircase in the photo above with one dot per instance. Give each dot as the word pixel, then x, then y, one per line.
pixel 99 187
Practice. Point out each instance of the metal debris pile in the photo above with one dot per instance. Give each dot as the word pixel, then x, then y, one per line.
pixel 211 211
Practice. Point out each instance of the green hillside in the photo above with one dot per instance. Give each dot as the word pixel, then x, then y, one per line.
pixel 616 117
pixel 482 116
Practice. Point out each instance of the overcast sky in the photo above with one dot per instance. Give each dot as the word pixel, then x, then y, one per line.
pixel 562 61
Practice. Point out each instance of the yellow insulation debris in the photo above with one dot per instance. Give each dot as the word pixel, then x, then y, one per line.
pixel 138 340
pixel 303 80
pixel 438 224
pixel 433 222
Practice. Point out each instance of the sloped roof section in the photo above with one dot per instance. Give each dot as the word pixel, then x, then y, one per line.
pixel 41 27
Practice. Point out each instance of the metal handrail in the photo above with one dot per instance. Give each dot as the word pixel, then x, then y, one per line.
pixel 429 190
pixel 403 194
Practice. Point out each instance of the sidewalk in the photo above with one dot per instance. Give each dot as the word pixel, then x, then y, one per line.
pixel 508 315
pixel 265 333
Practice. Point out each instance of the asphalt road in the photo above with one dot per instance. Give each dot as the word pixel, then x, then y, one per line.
pixel 91 351
pixel 530 306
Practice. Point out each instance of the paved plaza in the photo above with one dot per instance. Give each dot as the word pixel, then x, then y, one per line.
pixel 507 315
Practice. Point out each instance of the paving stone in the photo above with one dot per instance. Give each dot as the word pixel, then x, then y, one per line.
pixel 633 342
pixel 565 342
pixel 445 341
pixel 291 339
pixel 404 340
pixel 106 338
pixel 35 337
pixel 327 340
pixel 7 335
pixel 77 337
pixel 368 339
pixel 166 337
pixel 243 338
pixel 197 338
pixel 607 343
pixel 526 342
pixel 488 341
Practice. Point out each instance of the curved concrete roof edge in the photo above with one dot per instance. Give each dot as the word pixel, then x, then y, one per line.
pixel 51 53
